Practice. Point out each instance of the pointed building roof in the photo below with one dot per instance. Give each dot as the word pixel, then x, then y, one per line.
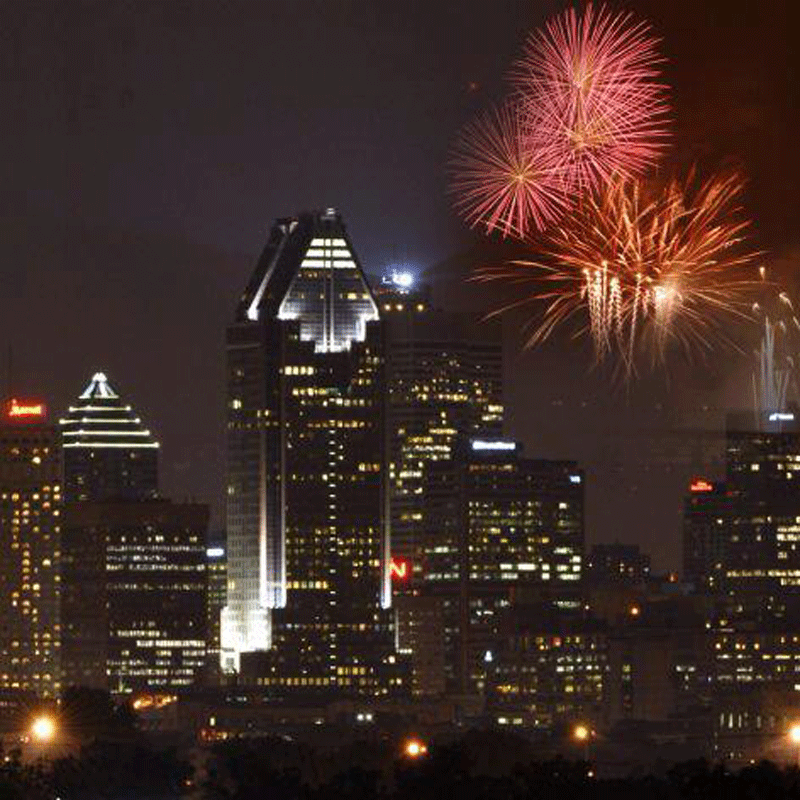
pixel 309 272
pixel 101 420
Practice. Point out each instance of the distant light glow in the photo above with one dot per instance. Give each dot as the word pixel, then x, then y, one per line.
pixel 400 279
pixel 794 733
pixel 778 416
pixel 414 748
pixel 43 728
pixel 215 552
pixel 403 279
pixel 580 733
pixel 575 478
pixel 484 444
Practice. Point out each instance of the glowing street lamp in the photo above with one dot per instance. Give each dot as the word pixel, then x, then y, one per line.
pixel 43 729
pixel 794 738
pixel 414 748
pixel 581 733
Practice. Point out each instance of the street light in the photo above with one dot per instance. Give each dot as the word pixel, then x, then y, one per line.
pixel 581 734
pixel 43 729
pixel 414 748
pixel 794 737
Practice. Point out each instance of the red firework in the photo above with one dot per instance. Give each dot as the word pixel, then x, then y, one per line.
pixel 588 85
pixel 501 181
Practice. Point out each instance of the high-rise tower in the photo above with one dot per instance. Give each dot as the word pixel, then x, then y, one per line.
pixel 307 515
pixel 108 453
pixel 444 382
pixel 30 533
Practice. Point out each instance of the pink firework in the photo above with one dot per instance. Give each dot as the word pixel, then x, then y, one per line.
pixel 588 85
pixel 502 182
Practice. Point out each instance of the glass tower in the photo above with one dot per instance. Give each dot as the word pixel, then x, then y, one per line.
pixel 307 512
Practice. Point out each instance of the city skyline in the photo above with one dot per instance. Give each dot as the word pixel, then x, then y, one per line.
pixel 93 242
pixel 399 400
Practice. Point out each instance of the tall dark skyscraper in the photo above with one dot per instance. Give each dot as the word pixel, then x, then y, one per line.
pixel 445 382
pixel 307 516
pixel 108 453
pixel 743 538
pixel 30 536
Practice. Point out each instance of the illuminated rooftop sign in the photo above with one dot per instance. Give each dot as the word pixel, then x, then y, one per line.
pixel 701 485
pixel 781 416
pixel 498 444
pixel 25 409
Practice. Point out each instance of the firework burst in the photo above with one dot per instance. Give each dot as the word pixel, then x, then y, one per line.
pixel 643 267
pixel 502 183
pixel 588 86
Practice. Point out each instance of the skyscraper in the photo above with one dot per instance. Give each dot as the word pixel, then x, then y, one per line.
pixel 743 538
pixel 500 530
pixel 30 528
pixel 108 453
pixel 307 515
pixel 706 512
pixel 445 382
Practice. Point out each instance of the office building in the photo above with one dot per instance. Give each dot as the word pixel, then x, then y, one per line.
pixel 500 530
pixel 307 516
pixel 705 528
pixel 30 530
pixel 741 538
pixel 216 594
pixel 659 660
pixel 617 564
pixel 549 669
pixel 444 382
pixel 134 595
pixel 108 453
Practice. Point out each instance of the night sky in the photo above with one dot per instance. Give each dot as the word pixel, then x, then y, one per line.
pixel 147 147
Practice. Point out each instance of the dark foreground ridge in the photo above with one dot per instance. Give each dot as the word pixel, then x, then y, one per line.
pixel 123 764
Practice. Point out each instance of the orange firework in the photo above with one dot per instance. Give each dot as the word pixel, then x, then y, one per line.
pixel 502 183
pixel 643 266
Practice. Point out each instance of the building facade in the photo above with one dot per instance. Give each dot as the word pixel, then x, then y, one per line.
pixel 108 453
pixel 742 537
pixel 216 593
pixel 444 383
pixel 308 508
pixel 500 530
pixel 617 563
pixel 30 533
pixel 134 595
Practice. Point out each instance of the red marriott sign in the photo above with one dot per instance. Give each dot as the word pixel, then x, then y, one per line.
pixel 25 409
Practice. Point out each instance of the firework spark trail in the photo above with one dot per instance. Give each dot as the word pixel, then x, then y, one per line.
pixel 776 368
pixel 501 183
pixel 644 267
pixel 770 380
pixel 588 84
